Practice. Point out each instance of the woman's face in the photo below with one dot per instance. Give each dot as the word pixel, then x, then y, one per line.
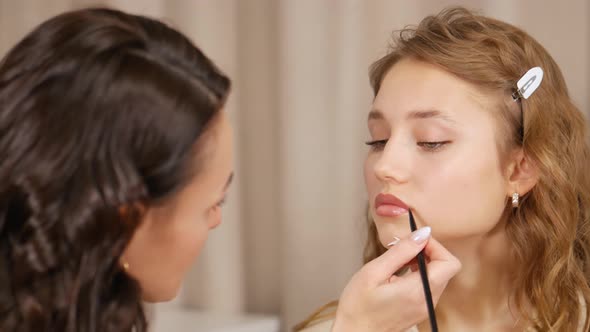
pixel 433 150
pixel 170 237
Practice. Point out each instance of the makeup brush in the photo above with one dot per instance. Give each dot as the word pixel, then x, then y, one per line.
pixel 424 277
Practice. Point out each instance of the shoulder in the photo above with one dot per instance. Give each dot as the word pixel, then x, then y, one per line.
pixel 326 326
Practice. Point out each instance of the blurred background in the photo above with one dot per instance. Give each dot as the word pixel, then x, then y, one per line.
pixel 293 228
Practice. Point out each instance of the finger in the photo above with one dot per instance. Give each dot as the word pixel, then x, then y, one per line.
pixel 381 268
pixel 441 268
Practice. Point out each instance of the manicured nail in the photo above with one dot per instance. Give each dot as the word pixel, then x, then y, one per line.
pixel 421 235
pixel 394 242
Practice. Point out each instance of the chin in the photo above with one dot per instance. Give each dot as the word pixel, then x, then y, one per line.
pixel 388 231
pixel 160 296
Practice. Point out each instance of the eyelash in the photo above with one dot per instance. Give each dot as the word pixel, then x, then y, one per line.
pixel 378 145
pixel 433 146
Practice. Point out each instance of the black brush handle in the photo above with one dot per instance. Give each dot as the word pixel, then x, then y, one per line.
pixel 425 283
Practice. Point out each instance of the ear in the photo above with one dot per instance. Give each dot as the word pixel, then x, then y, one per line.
pixel 135 213
pixel 522 174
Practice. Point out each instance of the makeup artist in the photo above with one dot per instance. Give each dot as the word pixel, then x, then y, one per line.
pixel 115 157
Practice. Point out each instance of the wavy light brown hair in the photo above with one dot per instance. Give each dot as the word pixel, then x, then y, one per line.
pixel 99 111
pixel 550 230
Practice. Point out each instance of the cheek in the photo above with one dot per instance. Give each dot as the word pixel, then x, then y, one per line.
pixel 462 197
pixel 189 243
pixel 161 262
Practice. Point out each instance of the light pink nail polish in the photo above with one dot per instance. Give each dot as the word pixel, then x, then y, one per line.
pixel 421 235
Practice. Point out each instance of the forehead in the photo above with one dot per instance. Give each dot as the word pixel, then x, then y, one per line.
pixel 412 85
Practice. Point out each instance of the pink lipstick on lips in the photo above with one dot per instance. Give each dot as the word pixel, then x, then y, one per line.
pixel 387 205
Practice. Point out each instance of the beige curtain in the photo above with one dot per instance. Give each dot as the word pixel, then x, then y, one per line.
pixel 293 229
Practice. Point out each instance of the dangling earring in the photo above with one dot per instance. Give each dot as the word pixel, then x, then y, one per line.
pixel 515 198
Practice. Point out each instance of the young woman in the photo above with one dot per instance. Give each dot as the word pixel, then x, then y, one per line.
pixel 463 134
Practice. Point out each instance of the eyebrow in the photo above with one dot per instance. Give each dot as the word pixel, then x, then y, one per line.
pixel 415 115
pixel 229 181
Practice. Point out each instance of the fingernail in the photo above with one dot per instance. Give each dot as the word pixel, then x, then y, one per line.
pixel 421 235
pixel 394 242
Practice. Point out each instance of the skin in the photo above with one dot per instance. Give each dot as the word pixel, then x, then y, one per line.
pixel 434 145
pixel 375 300
pixel 172 235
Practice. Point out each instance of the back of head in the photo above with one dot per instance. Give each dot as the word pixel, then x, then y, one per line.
pixel 98 109
pixel 550 230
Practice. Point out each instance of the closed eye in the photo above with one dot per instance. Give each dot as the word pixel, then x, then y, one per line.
pixel 433 146
pixel 377 145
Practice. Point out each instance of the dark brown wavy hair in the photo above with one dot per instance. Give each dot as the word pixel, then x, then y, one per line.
pixel 99 110
pixel 550 231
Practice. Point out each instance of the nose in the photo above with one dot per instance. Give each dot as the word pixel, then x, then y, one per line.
pixel 393 164
pixel 215 223
pixel 215 219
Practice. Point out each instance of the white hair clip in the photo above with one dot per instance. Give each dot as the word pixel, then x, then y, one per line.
pixel 528 83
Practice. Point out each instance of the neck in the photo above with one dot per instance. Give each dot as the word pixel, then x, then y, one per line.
pixel 480 293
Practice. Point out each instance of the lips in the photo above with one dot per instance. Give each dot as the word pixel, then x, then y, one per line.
pixel 387 205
